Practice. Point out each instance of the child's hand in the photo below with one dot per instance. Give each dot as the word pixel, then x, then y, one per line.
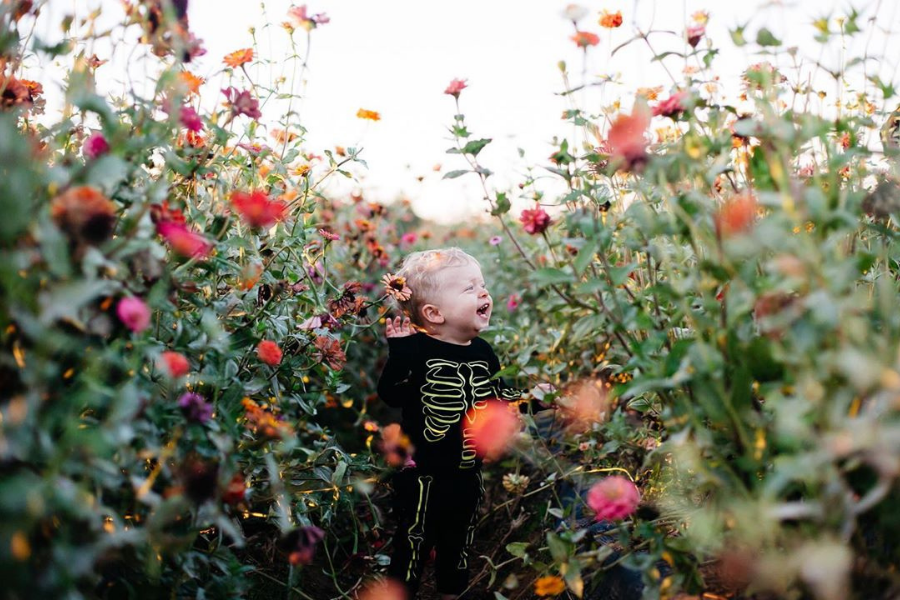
pixel 541 391
pixel 398 329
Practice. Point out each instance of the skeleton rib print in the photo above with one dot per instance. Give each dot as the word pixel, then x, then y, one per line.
pixel 450 391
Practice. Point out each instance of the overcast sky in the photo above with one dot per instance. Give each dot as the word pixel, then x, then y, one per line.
pixel 397 56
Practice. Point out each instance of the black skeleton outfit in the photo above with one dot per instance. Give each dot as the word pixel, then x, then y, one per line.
pixel 440 387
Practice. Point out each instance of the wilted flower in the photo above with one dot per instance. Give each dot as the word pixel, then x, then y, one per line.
pixel 671 106
pixel 613 498
pixel 238 58
pixel 84 213
pixel 195 407
pixel 535 220
pixel 95 146
pixel 242 103
pixel 396 288
pixel 551 585
pixel 300 544
pixel 257 210
pixel 134 313
pixel 395 445
pixel 495 240
pixel 190 119
pixel 736 215
pixel 330 352
pixel 184 241
pixel 611 20
pixel 174 363
pixel 490 429
pixel 694 34
pixel 348 301
pixel 515 483
pixel 585 39
pixel 456 87
pixel 626 138
pixel 371 115
pixel 269 352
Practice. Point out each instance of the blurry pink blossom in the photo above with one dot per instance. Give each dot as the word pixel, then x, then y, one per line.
pixel 535 220
pixel 95 146
pixel 513 303
pixel 242 103
pixel 134 313
pixel 613 498
pixel 184 241
pixel 190 119
pixel 495 241
pixel 626 138
pixel 409 238
pixel 671 106
pixel 694 34
pixel 489 430
pixel 456 87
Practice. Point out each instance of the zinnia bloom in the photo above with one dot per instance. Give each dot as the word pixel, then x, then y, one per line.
pixel 330 352
pixel 671 106
pixel 84 213
pixel 300 544
pixel 190 119
pixel 551 585
pixel 456 87
pixel 257 210
pixel 626 138
pixel 134 313
pixel 191 82
pixel 409 238
pixel 736 216
pixel 329 235
pixel 535 220
pixel 95 146
pixel 184 241
pixel 368 114
pixel 611 20
pixel 242 103
pixel 174 363
pixel 269 353
pixel 585 39
pixel 495 240
pixel 694 34
pixel 195 407
pixel 613 498
pixel 238 58
pixel 396 288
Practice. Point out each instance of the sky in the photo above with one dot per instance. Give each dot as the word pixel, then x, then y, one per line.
pixel 397 57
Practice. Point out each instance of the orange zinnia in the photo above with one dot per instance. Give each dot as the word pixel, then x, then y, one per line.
pixel 192 82
pixel 611 20
pixel 585 39
pixel 368 114
pixel 238 58
pixel 550 585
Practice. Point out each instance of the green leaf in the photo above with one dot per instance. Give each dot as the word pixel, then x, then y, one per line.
pixel 455 174
pixel 551 276
pixel 475 146
pixel 737 36
pixel 517 549
pixel 764 37
pixel 559 548
pixel 502 205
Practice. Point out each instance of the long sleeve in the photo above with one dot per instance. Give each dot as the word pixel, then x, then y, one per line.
pixel 504 390
pixel 395 385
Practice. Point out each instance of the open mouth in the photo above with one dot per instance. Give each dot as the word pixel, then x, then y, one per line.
pixel 484 309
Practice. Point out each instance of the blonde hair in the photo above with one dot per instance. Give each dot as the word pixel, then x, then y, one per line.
pixel 421 269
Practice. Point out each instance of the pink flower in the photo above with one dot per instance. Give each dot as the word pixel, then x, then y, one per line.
pixel 513 303
pixel 184 241
pixel 456 87
pixel 613 498
pixel 190 119
pixel 174 363
pixel 535 220
pixel 329 235
pixel 242 103
pixel 694 34
pixel 95 146
pixel 671 106
pixel 134 313
pixel 409 238
pixel 495 241
pixel 626 138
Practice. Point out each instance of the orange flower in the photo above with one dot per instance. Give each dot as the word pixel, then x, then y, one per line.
pixel 611 20
pixel 174 363
pixel 489 429
pixel 191 82
pixel 736 216
pixel 387 589
pixel 368 114
pixel 238 58
pixel 84 213
pixel 262 421
pixel 551 585
pixel 250 275
pixel 584 39
pixel 650 93
pixel 269 353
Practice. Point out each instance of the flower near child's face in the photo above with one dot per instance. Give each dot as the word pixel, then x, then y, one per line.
pixel 242 102
pixel 370 115
pixel 626 138
pixel 513 303
pixel 269 352
pixel 585 39
pixel 174 364
pixel 238 58
pixel 395 287
pixel 535 220
pixel 613 498
pixel 134 313
pixel 184 241
pixel 257 210
pixel 610 20
pixel 456 87
pixel 95 146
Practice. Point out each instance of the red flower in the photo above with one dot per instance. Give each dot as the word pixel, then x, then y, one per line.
pixel 134 313
pixel 257 210
pixel 174 363
pixel 242 103
pixel 671 106
pixel 626 138
pixel 535 220
pixel 736 216
pixel 613 498
pixel 184 241
pixel 611 20
pixel 190 119
pixel 584 39
pixel 95 146
pixel 269 353
pixel 456 87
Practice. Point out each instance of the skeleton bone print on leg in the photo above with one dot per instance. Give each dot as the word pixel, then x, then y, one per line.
pixel 452 390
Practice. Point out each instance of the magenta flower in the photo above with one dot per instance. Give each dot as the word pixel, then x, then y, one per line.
pixel 134 313
pixel 409 238
pixel 456 87
pixel 190 119
pixel 242 103
pixel 535 220
pixel 195 407
pixel 694 34
pixel 613 498
pixel 513 303
pixel 495 241
pixel 184 241
pixel 671 106
pixel 95 146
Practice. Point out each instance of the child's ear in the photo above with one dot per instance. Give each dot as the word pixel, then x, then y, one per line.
pixel 432 314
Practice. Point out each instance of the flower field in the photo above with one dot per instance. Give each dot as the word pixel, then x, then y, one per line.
pixel 697 284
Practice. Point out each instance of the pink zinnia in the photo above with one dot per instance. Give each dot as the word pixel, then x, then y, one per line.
pixel 190 119
pixel 409 238
pixel 242 103
pixel 134 313
pixel 535 220
pixel 613 498
pixel 456 87
pixel 183 240
pixel 95 146
pixel 671 106
pixel 626 138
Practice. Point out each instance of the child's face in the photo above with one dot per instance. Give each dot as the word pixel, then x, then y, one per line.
pixel 463 300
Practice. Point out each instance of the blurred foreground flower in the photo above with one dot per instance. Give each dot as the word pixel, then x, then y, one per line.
pixel 300 19
pixel 551 585
pixel 585 39
pixel 300 544
pixel 584 403
pixel 736 216
pixel 84 213
pixel 395 446
pixel 195 407
pixel 257 210
pixel 269 352
pixel 134 313
pixel 386 589
pixel 574 12
pixel 95 146
pixel 264 422
pixel 671 106
pixel 236 490
pixel 626 138
pixel 535 220
pixel 199 478
pixel 613 498
pixel 174 364
pixel 184 241
pixel 488 431
pixel 456 87
pixel 396 288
